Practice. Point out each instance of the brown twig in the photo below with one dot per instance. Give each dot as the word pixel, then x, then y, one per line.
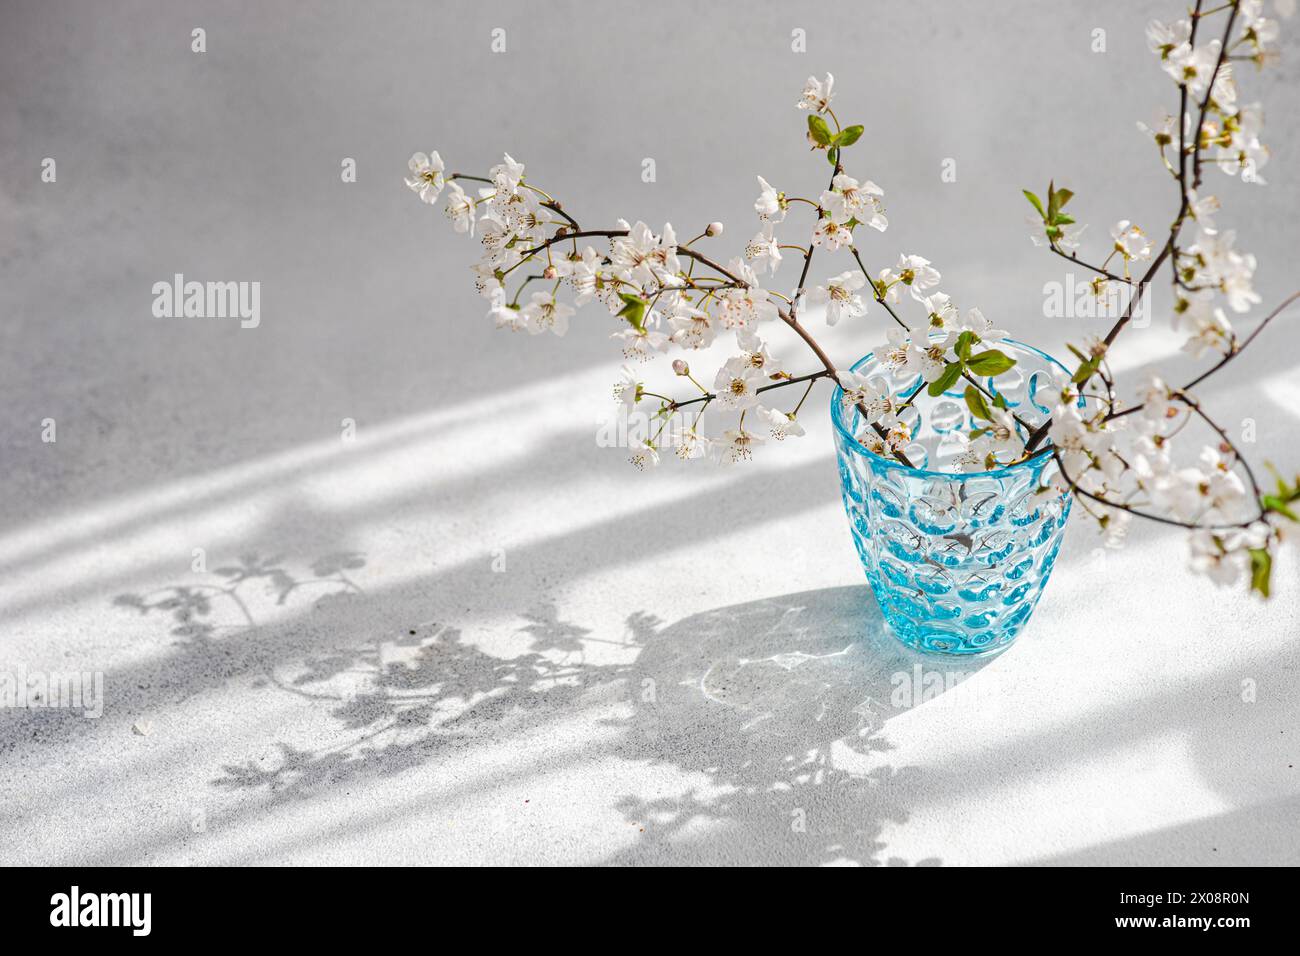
pixel 1073 257
pixel 710 396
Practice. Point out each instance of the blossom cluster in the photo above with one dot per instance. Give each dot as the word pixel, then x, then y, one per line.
pixel 539 266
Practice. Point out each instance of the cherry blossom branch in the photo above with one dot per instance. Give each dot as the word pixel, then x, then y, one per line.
pixel 690 253
pixel 707 396
pixel 1237 350
pixel 1136 512
pixel 1076 490
pixel 1184 203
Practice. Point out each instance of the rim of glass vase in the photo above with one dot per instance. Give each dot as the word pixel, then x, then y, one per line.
pixel 837 418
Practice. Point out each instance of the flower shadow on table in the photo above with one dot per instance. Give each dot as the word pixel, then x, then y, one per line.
pixel 773 710
pixel 781 705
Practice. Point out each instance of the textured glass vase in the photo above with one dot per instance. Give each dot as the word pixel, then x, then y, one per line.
pixel 957 561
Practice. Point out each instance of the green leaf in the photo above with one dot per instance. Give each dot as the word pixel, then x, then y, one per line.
pixel 848 136
pixel 1035 202
pixel 1063 196
pixel 1086 371
pixel 634 311
pixel 964 343
pixel 1281 505
pixel 1053 204
pixel 975 402
pixel 999 400
pixel 833 156
pixel 1261 569
pixel 991 362
pixel 951 372
pixel 1063 220
pixel 821 133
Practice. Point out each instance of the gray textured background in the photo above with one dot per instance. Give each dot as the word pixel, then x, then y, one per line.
pixel 175 433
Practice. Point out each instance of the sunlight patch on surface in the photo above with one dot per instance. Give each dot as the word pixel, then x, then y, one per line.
pixel 1284 391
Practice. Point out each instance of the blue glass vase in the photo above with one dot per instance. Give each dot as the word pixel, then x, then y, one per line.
pixel 957 561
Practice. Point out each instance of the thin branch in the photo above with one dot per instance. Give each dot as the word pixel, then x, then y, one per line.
pixel 1074 258
pixel 554 206
pixel 710 396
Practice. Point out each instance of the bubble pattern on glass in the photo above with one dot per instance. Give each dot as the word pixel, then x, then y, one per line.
pixel 957 561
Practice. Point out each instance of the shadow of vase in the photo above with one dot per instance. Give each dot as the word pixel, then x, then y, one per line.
pixel 780 705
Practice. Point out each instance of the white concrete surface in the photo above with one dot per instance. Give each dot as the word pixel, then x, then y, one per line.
pixel 683 667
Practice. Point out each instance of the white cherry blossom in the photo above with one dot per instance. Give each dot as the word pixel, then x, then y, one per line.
pixel 1195 67
pixel 917 274
pixel 1220 264
pixel 840 295
pixel 871 396
pixel 688 444
pixel 754 352
pixel 831 234
pixel 645 259
pixel 848 199
pixel 744 308
pixel 1164 39
pixel 627 389
pixel 893 354
pixel 1001 436
pixel 1155 398
pixel 544 313
pixel 1068 240
pixel 459 209
pixel 736 445
pixel 1243 152
pixel 942 314
pixel 642 343
pixel 976 322
pixel 1202 208
pixel 507 176
pixel 816 94
pixel 927 356
pixel 763 250
pixel 644 454
pixel 769 204
pixel 504 315
pixel 781 424
pixel 426 177
pixel 1162 128
pixel 691 327
pixel 737 384
pixel 1130 241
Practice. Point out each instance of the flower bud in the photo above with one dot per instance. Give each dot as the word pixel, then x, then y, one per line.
pixel 549 272
pixel 713 229
pixel 680 367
